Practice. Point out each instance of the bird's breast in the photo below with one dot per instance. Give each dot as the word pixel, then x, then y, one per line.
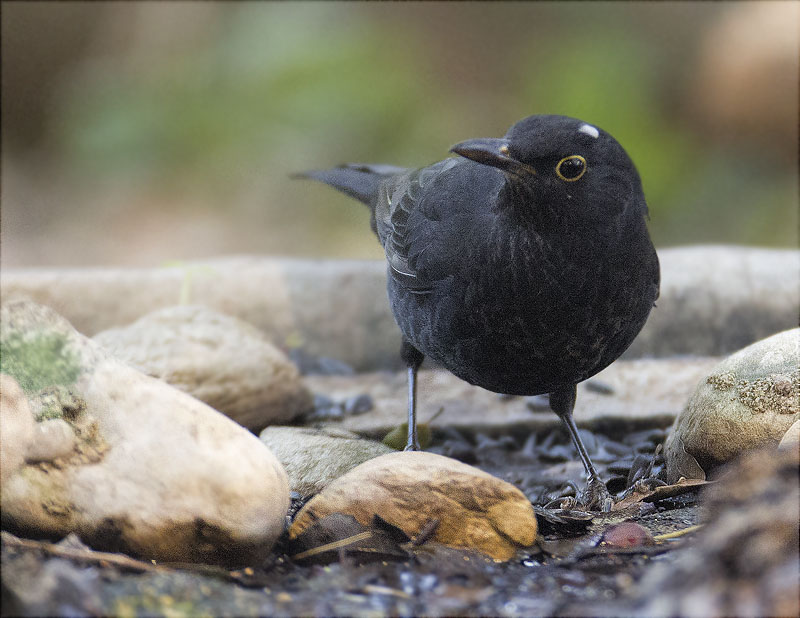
pixel 526 317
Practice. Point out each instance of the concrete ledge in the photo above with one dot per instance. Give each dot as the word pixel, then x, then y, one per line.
pixel 714 300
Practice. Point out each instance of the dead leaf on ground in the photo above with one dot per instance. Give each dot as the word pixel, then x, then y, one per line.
pixel 662 492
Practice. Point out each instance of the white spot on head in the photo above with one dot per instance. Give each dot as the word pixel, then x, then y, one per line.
pixel 589 130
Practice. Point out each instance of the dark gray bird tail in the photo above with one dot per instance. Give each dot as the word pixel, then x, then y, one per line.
pixel 356 180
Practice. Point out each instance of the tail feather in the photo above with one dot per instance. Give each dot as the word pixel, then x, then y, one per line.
pixel 356 180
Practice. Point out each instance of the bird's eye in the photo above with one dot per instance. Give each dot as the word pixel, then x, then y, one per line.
pixel 571 168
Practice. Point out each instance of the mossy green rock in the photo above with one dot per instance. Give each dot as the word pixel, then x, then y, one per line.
pixel 126 461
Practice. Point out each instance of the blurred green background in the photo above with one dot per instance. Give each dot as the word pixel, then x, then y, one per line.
pixel 137 133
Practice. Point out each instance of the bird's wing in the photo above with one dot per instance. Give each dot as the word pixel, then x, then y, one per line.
pixel 407 225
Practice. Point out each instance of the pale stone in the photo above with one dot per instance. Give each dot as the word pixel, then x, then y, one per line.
pixel 223 361
pixel 749 400
pixel 409 489
pixel 154 472
pixel 17 427
pixel 54 438
pixel 313 458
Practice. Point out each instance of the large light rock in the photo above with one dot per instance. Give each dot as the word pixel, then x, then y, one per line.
pixel 749 400
pixel 152 471
pixel 409 489
pixel 313 458
pixel 714 300
pixel 218 359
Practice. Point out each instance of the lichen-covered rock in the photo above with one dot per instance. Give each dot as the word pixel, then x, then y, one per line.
pixel 313 458
pixel 126 461
pixel 410 489
pixel 749 400
pixel 221 360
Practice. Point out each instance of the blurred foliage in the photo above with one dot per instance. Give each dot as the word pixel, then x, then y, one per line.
pixel 263 89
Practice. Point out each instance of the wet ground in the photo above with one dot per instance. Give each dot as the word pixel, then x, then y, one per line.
pixel 572 570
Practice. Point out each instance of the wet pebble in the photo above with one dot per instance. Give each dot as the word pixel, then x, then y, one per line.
pixel 309 364
pixel 529 447
pixel 626 534
pixel 621 466
pixel 589 440
pixel 640 468
pixel 453 443
pixel 482 441
pixel 538 403
pixel 616 484
pixel 461 451
pixel 616 449
pixel 600 387
pixel 650 437
pixel 358 404
pixel 325 407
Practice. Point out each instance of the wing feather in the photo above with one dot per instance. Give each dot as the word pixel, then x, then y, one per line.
pixel 406 227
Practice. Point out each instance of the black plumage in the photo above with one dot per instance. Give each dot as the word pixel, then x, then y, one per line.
pixel 523 265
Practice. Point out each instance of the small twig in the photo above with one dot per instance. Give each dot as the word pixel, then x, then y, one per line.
pixel 394 592
pixel 121 561
pixel 85 555
pixel 335 545
pixel 678 533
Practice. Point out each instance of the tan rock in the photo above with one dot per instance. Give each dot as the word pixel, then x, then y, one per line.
pixel 749 400
pixel 223 361
pixel 153 472
pixel 408 489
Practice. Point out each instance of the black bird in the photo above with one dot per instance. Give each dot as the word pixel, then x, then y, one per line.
pixel 523 265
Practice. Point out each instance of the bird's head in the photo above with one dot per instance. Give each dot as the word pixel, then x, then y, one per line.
pixel 564 165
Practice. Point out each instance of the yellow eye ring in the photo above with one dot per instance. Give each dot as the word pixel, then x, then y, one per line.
pixel 578 168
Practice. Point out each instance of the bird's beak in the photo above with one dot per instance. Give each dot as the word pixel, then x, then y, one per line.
pixel 492 151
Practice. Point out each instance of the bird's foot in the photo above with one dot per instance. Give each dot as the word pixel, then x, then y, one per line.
pixel 412 446
pixel 596 497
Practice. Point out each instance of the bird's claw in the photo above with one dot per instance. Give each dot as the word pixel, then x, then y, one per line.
pixel 596 497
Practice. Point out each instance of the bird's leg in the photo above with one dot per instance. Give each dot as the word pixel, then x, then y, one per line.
pixel 596 497
pixel 413 359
